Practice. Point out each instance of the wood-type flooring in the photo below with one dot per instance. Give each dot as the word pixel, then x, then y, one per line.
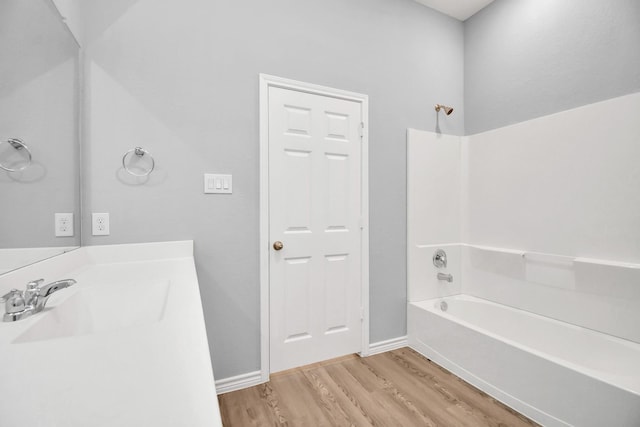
pixel 396 388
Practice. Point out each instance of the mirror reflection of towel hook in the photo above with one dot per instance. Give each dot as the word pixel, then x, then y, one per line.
pixel 18 145
pixel 140 152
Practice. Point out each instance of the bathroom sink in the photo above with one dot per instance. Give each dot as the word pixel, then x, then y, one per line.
pixel 99 309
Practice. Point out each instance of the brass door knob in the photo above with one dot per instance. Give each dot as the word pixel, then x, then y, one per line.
pixel 278 245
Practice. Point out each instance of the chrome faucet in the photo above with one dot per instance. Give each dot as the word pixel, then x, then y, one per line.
pixel 22 304
pixel 447 277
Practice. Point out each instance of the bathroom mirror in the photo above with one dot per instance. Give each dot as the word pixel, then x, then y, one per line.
pixel 39 104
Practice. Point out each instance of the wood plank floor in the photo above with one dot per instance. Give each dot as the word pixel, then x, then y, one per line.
pixel 397 388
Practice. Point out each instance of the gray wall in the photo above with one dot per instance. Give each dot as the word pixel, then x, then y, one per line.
pixel 181 79
pixel 529 58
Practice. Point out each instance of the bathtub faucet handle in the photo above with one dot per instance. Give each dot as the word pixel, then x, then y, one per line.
pixel 440 259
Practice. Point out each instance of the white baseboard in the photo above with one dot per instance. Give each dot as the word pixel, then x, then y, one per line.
pixel 239 382
pixel 387 345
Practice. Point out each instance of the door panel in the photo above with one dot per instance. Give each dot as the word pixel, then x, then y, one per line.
pixel 315 159
pixel 298 189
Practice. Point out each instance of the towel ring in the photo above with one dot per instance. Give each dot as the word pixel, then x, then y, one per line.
pixel 140 152
pixel 18 145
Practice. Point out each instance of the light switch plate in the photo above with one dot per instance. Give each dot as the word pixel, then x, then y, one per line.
pixel 218 183
pixel 64 224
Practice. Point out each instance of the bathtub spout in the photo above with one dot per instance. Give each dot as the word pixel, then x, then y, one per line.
pixel 447 277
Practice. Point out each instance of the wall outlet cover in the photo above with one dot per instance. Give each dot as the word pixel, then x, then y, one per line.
pixel 100 224
pixel 64 224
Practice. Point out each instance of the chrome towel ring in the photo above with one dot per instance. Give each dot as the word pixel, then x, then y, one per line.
pixel 140 152
pixel 18 145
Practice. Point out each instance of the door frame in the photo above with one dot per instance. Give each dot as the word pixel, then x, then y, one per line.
pixel 267 81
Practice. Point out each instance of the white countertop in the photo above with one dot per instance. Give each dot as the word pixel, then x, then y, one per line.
pixel 148 365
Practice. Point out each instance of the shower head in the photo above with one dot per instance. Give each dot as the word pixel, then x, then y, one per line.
pixel 447 110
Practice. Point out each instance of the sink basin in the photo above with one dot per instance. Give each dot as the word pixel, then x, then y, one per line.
pixel 100 309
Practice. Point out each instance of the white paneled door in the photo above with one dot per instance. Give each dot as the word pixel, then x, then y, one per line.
pixel 315 229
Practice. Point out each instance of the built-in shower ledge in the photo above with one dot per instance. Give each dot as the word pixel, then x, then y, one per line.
pixel 125 346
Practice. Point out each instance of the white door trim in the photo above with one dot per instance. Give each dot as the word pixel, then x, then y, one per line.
pixel 267 81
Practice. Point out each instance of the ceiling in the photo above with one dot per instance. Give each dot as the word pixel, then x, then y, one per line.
pixel 459 9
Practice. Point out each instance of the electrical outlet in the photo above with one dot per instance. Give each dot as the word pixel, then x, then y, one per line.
pixel 64 224
pixel 100 224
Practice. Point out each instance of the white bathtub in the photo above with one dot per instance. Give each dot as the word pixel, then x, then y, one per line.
pixel 553 372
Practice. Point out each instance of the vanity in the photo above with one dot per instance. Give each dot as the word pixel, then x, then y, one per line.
pixel 124 346
pixel 112 335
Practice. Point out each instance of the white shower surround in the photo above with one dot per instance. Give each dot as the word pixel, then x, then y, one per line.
pixel 564 184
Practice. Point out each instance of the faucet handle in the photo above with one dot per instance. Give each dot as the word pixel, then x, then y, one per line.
pixel 12 293
pixel 14 301
pixel 33 285
pixel 440 259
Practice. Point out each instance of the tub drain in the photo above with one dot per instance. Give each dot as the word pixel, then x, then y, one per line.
pixel 444 306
